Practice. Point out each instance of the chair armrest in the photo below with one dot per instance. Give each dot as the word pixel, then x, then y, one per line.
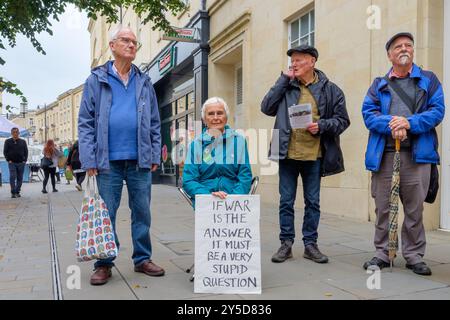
pixel 254 186
pixel 185 195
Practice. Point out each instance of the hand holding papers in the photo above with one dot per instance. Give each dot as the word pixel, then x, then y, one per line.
pixel 300 115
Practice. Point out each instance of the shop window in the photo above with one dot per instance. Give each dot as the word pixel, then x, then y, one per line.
pixel 190 128
pixel 181 105
pixel 174 108
pixel 168 111
pixel 190 101
pixel 167 135
pixel 179 150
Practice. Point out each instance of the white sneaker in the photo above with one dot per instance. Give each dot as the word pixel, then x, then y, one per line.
pixel 79 188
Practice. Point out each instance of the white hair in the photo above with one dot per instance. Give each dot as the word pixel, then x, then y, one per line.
pixel 215 100
pixel 115 32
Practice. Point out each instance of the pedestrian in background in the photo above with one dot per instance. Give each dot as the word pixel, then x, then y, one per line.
pixel 74 165
pixel 50 152
pixel 68 175
pixel 15 151
pixel 61 164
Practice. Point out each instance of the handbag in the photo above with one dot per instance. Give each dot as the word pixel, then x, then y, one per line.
pixel 95 234
pixel 46 162
pixel 69 174
pixel 434 184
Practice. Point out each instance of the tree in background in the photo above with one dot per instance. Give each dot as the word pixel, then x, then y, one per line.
pixel 31 17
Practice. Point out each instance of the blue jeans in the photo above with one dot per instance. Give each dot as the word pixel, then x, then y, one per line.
pixel 310 173
pixel 139 182
pixel 16 170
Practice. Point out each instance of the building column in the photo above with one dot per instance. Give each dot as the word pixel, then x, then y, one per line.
pixel 445 159
pixel 201 65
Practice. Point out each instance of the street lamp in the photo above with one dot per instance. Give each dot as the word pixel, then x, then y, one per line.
pixel 32 132
pixel 23 108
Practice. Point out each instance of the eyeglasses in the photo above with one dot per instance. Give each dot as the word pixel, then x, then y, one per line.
pixel 127 41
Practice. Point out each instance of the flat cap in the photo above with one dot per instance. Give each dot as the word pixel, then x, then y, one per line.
pixel 398 35
pixel 304 48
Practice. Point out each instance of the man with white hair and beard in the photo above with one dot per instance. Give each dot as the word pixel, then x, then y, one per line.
pixel 407 104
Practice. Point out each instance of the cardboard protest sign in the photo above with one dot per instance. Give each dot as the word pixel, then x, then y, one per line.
pixel 227 244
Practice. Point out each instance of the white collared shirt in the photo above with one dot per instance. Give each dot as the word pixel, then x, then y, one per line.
pixel 125 83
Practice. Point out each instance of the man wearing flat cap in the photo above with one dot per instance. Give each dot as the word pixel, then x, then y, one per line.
pixel 304 146
pixel 407 104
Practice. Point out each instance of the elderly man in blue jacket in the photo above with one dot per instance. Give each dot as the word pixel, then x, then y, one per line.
pixel 407 104
pixel 119 139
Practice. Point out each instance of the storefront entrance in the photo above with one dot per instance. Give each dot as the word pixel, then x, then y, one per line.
pixel 177 131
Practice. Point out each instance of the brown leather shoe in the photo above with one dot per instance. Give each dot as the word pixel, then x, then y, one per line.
pixel 101 276
pixel 150 269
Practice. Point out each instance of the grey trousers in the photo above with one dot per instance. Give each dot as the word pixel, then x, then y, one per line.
pixel 414 183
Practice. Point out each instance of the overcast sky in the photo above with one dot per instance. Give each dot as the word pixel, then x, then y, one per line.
pixel 65 66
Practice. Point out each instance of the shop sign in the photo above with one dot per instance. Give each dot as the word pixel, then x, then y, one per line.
pixel 182 35
pixel 167 61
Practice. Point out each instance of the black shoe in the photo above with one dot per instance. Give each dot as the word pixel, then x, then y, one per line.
pixel 420 268
pixel 375 262
pixel 13 195
pixel 284 252
pixel 313 253
pixel 54 190
pixel 44 191
pixel 18 195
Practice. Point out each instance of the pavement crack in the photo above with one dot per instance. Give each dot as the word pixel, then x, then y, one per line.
pixel 126 282
pixel 414 292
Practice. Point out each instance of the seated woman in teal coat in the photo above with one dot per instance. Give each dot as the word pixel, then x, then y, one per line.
pixel 217 162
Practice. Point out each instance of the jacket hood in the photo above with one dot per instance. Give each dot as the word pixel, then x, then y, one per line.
pixel 102 71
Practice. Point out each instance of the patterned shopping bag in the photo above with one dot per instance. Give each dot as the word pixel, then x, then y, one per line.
pixel 95 234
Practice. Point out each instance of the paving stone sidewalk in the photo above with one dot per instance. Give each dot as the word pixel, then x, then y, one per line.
pixel 26 260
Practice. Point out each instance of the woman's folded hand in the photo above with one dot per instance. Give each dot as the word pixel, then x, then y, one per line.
pixel 220 194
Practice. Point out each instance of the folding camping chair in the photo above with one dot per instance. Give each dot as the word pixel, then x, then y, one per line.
pixel 253 188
